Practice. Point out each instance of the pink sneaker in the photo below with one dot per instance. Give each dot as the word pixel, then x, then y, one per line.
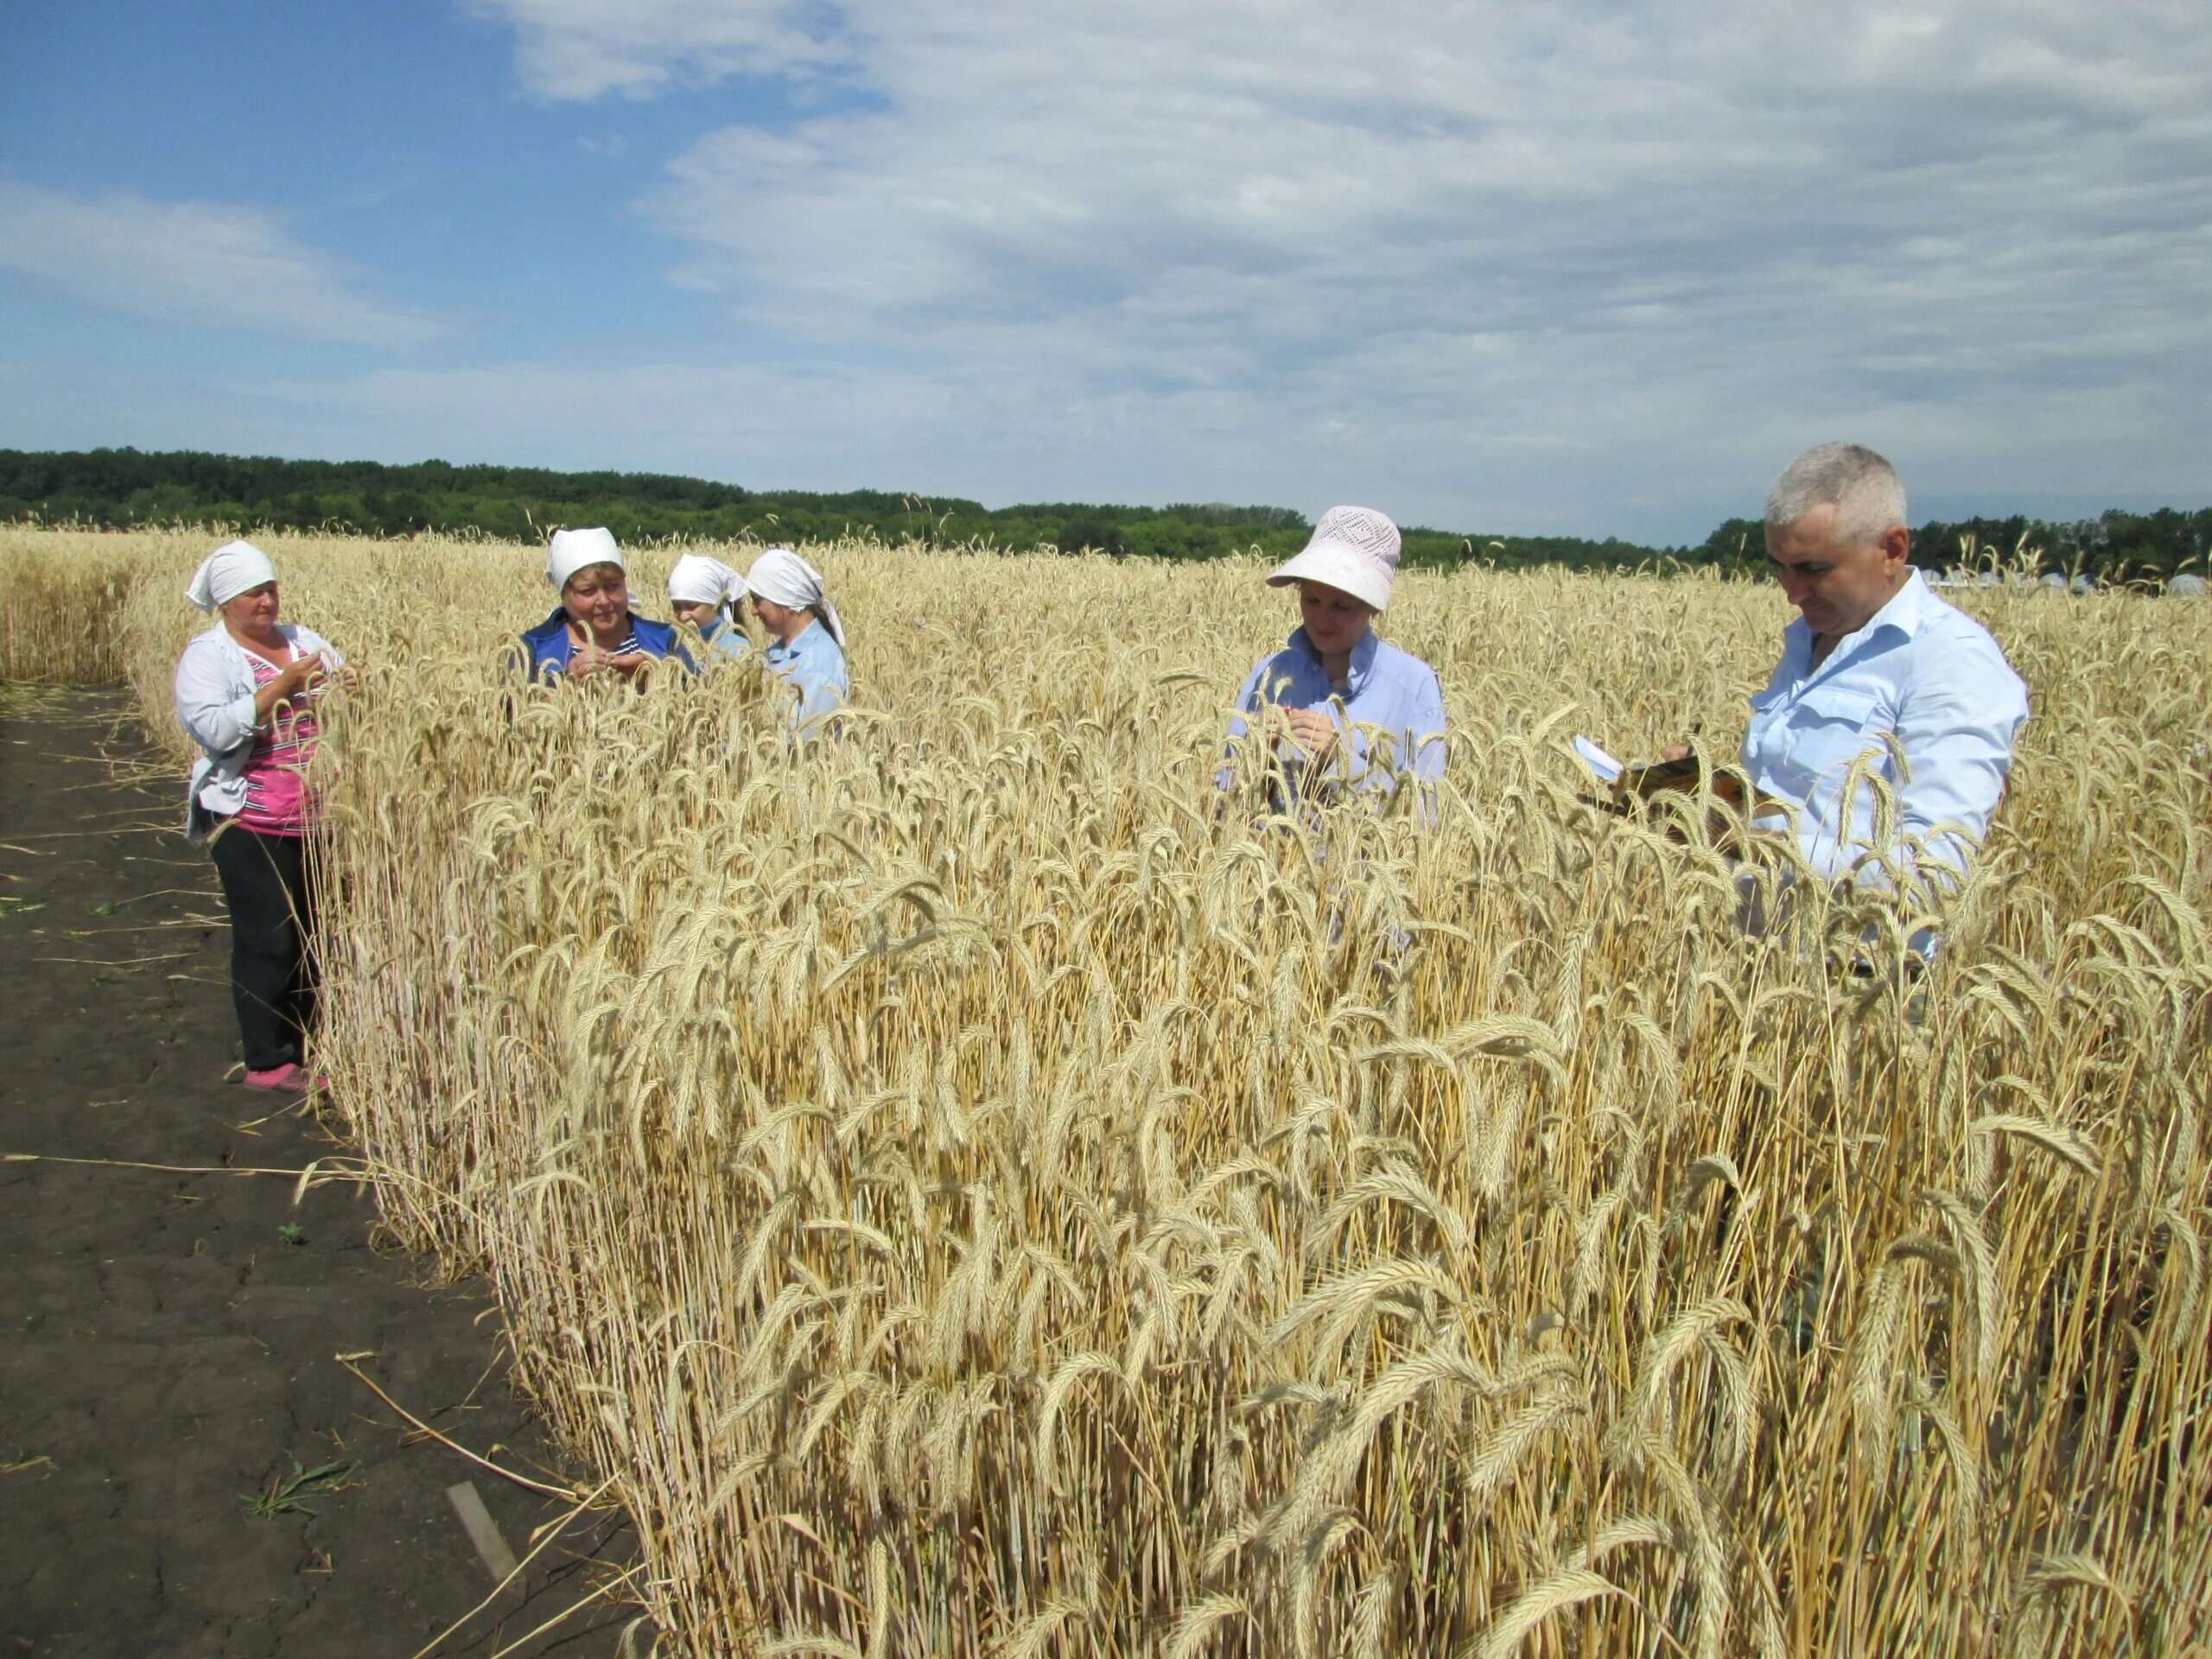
pixel 289 1078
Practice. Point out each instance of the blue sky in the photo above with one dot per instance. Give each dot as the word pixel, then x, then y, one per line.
pixel 1579 268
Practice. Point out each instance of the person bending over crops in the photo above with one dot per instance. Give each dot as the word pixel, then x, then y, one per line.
pixel 593 630
pixel 806 642
pixel 246 691
pixel 1338 702
pixel 1874 659
pixel 708 593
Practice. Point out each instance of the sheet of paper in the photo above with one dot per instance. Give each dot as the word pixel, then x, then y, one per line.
pixel 1608 769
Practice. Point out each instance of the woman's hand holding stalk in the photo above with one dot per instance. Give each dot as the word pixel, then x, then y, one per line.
pixel 1311 730
pixel 291 682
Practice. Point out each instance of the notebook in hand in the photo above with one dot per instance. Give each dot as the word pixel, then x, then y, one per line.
pixel 1659 776
pixel 1646 778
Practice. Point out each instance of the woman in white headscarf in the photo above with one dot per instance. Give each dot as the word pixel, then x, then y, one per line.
pixel 246 691
pixel 806 640
pixel 593 629
pixel 710 596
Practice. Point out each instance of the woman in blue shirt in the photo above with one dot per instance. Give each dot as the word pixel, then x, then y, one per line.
pixel 708 593
pixel 1334 677
pixel 806 640
pixel 593 630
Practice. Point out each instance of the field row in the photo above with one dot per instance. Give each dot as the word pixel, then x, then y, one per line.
pixel 972 1196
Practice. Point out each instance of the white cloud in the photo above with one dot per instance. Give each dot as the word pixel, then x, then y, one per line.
pixel 1514 259
pixel 214 264
pixel 1598 266
pixel 586 48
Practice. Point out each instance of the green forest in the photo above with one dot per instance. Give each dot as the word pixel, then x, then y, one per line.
pixel 123 488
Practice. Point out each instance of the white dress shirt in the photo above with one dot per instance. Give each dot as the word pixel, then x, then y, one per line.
pixel 1927 674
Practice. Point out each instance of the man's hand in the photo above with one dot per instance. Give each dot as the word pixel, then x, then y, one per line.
pixel 1311 730
pixel 1675 751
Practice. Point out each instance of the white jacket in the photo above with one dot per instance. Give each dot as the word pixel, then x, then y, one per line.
pixel 215 699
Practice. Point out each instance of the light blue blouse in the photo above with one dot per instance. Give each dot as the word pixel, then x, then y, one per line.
pixel 813 667
pixel 724 639
pixel 1385 687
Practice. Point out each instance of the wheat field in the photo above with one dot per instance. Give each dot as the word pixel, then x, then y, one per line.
pixel 967 1195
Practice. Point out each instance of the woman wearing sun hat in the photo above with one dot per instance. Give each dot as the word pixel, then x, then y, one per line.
pixel 1334 677
pixel 592 630
pixel 707 594
pixel 246 690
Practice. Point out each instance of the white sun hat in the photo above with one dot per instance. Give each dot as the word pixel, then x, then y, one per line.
pixel 571 551
pixel 1352 548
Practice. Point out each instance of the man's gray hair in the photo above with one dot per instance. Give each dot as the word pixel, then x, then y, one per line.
pixel 1862 487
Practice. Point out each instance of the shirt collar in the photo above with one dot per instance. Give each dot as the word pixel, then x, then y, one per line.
pixel 1362 656
pixel 799 643
pixel 1906 610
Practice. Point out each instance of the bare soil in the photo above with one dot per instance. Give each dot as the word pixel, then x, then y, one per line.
pixel 169 1342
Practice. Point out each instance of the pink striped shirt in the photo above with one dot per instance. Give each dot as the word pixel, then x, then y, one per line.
pixel 276 798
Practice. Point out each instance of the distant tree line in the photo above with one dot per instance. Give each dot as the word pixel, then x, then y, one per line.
pixel 2113 547
pixel 123 488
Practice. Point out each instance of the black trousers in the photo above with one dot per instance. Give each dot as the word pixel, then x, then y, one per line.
pixel 273 977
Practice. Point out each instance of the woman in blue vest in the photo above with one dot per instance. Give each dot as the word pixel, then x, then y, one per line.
pixel 592 630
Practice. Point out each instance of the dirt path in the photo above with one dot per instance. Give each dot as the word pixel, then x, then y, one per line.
pixel 167 1341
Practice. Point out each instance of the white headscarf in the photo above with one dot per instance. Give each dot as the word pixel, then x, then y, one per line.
pixel 780 575
pixel 571 551
pixel 698 580
pixel 234 568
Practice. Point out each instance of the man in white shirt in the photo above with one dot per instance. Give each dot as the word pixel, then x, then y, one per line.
pixel 1876 667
